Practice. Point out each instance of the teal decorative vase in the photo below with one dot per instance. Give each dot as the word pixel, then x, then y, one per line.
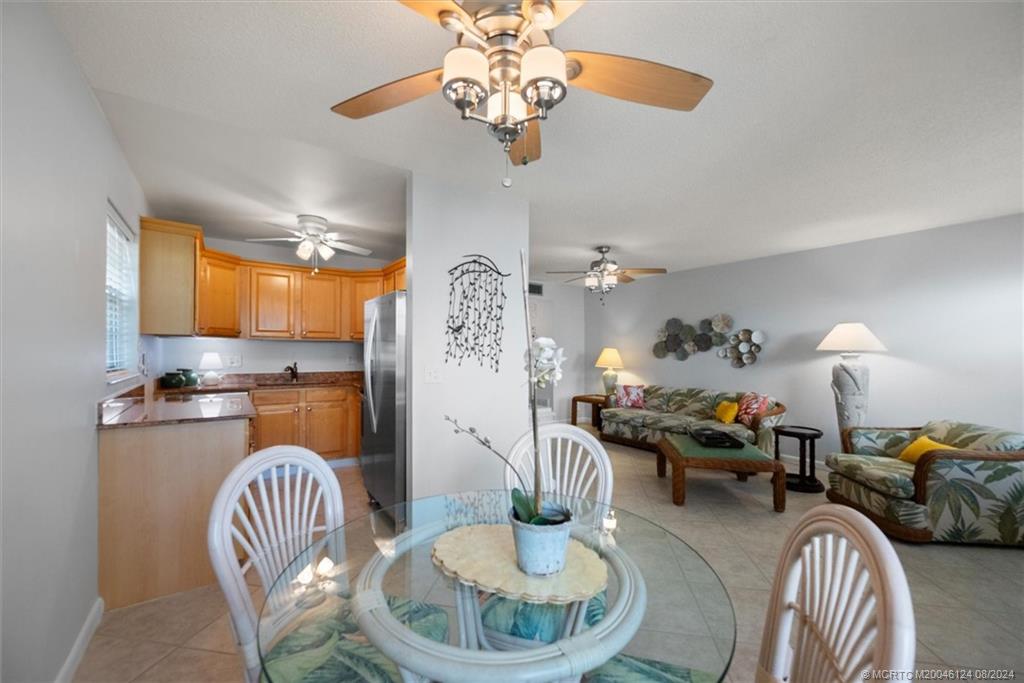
pixel 540 549
pixel 190 375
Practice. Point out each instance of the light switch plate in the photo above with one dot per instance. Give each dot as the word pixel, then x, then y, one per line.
pixel 433 375
pixel 233 361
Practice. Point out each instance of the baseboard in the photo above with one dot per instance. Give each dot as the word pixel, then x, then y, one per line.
pixel 74 658
pixel 343 463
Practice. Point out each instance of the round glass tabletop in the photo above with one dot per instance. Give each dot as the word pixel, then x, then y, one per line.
pixel 309 625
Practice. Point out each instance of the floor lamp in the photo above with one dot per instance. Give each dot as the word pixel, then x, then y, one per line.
pixel 850 378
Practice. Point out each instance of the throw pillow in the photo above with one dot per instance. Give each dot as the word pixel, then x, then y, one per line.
pixel 751 405
pixel 919 446
pixel 629 396
pixel 726 412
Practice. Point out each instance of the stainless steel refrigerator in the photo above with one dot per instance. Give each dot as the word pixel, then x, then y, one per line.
pixel 382 456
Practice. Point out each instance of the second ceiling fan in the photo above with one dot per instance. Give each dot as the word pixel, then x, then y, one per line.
pixel 506 74
pixel 605 274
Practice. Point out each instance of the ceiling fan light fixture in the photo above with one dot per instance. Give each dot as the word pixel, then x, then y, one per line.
pixel 592 282
pixel 465 77
pixel 541 14
pixel 305 249
pixel 610 280
pixel 495 107
pixel 325 251
pixel 543 76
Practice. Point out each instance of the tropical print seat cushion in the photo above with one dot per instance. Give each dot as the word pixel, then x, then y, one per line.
pixel 890 476
pixel 656 398
pixel 330 647
pixel 531 621
pixel 670 422
pixel 971 436
pixel 898 510
pixel 630 669
pixel 631 416
pixel 688 401
pixel 740 431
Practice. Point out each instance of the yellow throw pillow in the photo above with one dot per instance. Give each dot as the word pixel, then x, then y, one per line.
pixel 919 447
pixel 726 412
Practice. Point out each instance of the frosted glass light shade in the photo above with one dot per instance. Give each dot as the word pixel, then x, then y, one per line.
pixel 592 281
pixel 542 62
pixel 851 338
pixel 210 361
pixel 325 251
pixel 609 358
pixel 305 250
pixel 516 107
pixel 464 64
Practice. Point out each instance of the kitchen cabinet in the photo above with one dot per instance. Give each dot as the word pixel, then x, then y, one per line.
pixel 326 420
pixel 218 295
pixel 272 295
pixel 394 276
pixel 400 278
pixel 362 288
pixel 321 306
pixel 168 271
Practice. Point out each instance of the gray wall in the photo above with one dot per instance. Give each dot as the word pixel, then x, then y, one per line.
pixel 61 163
pixel 559 314
pixel 946 302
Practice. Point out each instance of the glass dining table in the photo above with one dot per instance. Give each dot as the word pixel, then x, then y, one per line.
pixel 371 588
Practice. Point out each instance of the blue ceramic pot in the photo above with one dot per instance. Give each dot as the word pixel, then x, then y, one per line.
pixel 540 549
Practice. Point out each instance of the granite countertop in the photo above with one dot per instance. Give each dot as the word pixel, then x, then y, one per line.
pixel 136 411
pixel 270 380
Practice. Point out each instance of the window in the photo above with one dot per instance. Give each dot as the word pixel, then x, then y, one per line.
pixel 122 300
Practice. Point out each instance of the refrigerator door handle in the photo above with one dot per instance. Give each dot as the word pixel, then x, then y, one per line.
pixel 368 370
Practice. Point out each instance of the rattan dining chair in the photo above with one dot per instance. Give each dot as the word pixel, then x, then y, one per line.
pixel 840 604
pixel 573 463
pixel 271 506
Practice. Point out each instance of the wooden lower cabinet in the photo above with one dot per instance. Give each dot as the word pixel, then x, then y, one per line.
pixel 326 420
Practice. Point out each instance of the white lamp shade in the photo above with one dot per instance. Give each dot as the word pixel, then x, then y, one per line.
pixel 305 250
pixel 325 251
pixel 609 358
pixel 851 338
pixel 542 62
pixel 516 106
pixel 466 64
pixel 592 281
pixel 210 361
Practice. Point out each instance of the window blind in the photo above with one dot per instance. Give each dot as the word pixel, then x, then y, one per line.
pixel 122 299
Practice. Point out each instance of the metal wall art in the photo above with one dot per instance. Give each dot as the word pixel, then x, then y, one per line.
pixel 476 311
pixel 683 340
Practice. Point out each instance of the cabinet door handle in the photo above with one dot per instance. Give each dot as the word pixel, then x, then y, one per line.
pixel 291 332
pixel 296 410
pixel 308 408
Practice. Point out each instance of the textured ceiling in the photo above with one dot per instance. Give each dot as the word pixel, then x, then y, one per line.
pixel 829 122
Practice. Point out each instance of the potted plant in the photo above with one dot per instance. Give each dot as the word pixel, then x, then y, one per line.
pixel 540 528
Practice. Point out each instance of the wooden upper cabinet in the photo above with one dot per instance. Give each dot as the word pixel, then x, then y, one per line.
pixel 321 306
pixel 272 299
pixel 400 278
pixel 362 289
pixel 168 265
pixel 389 283
pixel 218 295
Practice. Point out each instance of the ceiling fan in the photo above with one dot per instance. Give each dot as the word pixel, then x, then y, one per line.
pixel 505 73
pixel 604 273
pixel 313 239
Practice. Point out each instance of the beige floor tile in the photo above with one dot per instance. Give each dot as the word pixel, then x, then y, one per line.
pixel 195 666
pixel 692 652
pixel 115 660
pixel 968 638
pixel 216 637
pixel 745 654
pixel 172 619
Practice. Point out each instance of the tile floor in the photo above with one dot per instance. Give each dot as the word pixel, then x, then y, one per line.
pixel 968 601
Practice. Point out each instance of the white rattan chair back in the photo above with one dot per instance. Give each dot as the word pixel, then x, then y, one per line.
pixel 573 463
pixel 840 605
pixel 275 503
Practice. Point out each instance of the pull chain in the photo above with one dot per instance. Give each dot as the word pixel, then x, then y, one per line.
pixel 506 182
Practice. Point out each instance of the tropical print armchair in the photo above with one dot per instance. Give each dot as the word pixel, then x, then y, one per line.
pixel 677 411
pixel 973 494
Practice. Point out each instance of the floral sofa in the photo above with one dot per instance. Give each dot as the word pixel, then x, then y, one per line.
pixel 680 410
pixel 974 494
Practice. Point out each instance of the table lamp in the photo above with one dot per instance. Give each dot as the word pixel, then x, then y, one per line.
pixel 210 362
pixel 850 378
pixel 611 360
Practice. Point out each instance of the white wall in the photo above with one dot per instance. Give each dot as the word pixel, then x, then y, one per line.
pixel 559 314
pixel 261 355
pixel 445 223
pixel 60 165
pixel 946 302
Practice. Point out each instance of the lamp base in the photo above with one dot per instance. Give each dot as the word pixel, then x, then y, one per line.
pixel 609 377
pixel 850 386
pixel 211 379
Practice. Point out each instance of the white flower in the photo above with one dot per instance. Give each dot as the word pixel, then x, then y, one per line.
pixel 547 362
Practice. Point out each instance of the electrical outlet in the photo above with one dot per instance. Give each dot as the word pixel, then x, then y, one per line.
pixel 233 361
pixel 433 375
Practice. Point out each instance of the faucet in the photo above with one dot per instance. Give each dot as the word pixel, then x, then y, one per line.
pixel 293 370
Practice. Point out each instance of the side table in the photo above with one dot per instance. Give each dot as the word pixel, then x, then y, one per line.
pixel 805 482
pixel 596 402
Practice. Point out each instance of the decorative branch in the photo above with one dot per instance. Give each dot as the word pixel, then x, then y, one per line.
pixel 486 443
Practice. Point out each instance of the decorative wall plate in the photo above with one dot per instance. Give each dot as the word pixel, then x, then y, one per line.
pixel 674 326
pixel 659 350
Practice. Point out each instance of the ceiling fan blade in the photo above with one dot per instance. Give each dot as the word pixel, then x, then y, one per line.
pixel 390 95
pixel 342 246
pixel 638 80
pixel 432 9
pixel 526 148
pixel 561 9
pixel 581 277
pixel 643 271
pixel 274 239
pixel 567 272
pixel 624 279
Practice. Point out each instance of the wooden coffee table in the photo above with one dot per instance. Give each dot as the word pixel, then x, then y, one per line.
pixel 682 451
